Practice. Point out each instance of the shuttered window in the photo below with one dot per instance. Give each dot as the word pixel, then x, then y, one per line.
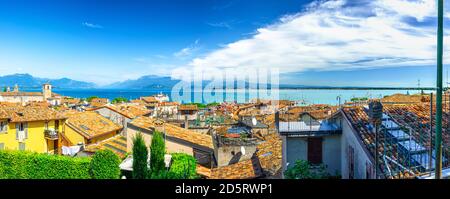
pixel 351 162
pixel 315 150
pixel 3 127
pixel 21 127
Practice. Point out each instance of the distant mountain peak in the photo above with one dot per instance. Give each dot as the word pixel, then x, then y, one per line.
pixel 27 80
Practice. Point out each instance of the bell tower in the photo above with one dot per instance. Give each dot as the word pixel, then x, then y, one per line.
pixel 47 91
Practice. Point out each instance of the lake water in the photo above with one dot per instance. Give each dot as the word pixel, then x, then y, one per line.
pixel 307 95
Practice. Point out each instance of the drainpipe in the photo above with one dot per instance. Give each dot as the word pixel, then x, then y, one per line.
pixel 438 142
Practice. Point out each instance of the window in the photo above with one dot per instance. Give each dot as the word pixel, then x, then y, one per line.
pixel 2 146
pixel 351 162
pixel 369 171
pixel 46 125
pixel 21 127
pixel 315 150
pixel 22 146
pixel 3 126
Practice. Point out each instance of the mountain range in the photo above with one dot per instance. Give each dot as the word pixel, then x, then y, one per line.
pixel 28 81
pixel 144 82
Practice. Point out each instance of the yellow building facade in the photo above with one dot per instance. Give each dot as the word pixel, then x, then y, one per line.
pixel 34 129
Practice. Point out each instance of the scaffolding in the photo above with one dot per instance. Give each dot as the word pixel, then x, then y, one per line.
pixel 406 139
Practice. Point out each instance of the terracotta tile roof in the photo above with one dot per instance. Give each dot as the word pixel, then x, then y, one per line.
pixel 18 113
pixel 138 101
pixel 90 124
pixel 100 100
pixel 318 111
pixel 203 171
pixel 3 114
pixel 406 116
pixel 71 100
pixel 168 104
pixel 97 104
pixel 20 94
pixel 190 107
pixel 175 131
pixel 269 153
pixel 248 169
pixel 117 144
pixel 402 98
pixel 129 110
pixel 417 117
pixel 149 99
pixel 43 104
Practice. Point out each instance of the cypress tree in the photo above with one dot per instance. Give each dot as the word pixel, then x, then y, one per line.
pixel 140 158
pixel 157 152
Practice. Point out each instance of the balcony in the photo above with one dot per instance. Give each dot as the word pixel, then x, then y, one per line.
pixel 51 134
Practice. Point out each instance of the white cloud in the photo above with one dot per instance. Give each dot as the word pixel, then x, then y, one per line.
pixel 91 25
pixel 188 51
pixel 338 35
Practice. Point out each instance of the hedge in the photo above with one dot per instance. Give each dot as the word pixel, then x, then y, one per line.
pixel 105 165
pixel 30 165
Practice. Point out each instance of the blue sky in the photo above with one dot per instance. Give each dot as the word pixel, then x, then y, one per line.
pixel 312 42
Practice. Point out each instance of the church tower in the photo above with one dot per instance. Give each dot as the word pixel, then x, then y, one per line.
pixel 47 91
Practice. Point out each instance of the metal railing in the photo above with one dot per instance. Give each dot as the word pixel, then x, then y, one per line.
pixel 51 134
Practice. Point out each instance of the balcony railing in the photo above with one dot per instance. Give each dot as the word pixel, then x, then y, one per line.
pixel 51 134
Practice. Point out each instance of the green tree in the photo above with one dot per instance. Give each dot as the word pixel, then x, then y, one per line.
pixel 119 100
pixel 4 89
pixel 183 166
pixel 105 165
pixel 213 104
pixel 157 152
pixel 140 158
pixel 304 170
pixel 89 99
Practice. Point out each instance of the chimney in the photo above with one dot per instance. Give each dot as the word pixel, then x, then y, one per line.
pixel 159 125
pixel 375 112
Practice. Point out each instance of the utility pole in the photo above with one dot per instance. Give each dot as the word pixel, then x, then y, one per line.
pixel 438 141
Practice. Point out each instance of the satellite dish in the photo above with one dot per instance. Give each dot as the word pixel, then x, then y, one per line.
pixel 243 150
pixel 254 121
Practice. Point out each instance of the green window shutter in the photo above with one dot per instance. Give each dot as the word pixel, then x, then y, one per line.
pixel 2 146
